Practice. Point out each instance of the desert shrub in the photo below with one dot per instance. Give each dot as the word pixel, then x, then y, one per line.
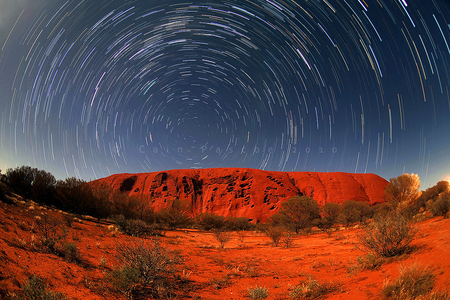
pixel 413 281
pixel 208 221
pixel 133 227
pixel 176 215
pixel 370 261
pixel 71 252
pixel 312 289
pixel 77 196
pixel 50 231
pixel 441 206
pixel 32 183
pixel 145 267
pixel 403 191
pixel 354 211
pixel 275 233
pixel 297 213
pixel 330 214
pixel 238 224
pixel 3 191
pixel 388 235
pixel 222 236
pixel 258 292
pixel 288 239
pixel 36 289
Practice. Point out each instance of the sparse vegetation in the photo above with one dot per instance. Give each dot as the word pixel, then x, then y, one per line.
pixel 297 213
pixel 275 233
pixel 403 191
pixel 222 237
pixel 36 289
pixel 258 292
pixel 50 231
pixel 389 235
pixel 312 289
pixel 413 281
pixel 145 267
pixel 441 206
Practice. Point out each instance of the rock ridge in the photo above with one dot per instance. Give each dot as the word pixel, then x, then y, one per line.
pixel 243 192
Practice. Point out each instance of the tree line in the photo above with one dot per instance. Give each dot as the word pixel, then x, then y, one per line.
pixel 134 213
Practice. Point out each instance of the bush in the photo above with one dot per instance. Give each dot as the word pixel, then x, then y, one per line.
pixel 137 228
pixel 355 211
pixel 275 233
pixel 413 281
pixel 403 191
pixel 297 213
pixel 330 214
pixel 50 231
pixel 222 237
pixel 177 214
pixel 35 289
pixel 258 292
pixel 145 267
pixel 238 224
pixel 388 235
pixel 441 206
pixel 71 252
pixel 208 221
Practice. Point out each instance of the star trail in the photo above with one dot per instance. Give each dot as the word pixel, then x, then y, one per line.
pixel 92 88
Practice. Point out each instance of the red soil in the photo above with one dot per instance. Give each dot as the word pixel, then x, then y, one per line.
pixel 250 193
pixel 214 273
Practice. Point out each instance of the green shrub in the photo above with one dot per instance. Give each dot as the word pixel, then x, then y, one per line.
pixel 71 252
pixel 137 228
pixel 144 266
pixel 258 292
pixel 413 281
pixel 355 211
pixel 238 224
pixel 297 213
pixel 388 236
pixel 208 221
pixel 35 289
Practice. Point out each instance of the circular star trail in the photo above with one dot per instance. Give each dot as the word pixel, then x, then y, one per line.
pixel 90 88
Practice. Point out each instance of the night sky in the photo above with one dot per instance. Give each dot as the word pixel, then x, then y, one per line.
pixel 92 88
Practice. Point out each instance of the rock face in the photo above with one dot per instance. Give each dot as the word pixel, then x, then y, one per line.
pixel 248 193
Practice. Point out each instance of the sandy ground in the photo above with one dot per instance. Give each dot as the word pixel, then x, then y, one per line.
pixel 213 273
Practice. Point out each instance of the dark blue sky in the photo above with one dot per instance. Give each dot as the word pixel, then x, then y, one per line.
pixel 91 88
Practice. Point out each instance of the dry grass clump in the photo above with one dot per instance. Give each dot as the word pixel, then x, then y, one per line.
pixel 258 292
pixel 36 289
pixel 414 282
pixel 313 289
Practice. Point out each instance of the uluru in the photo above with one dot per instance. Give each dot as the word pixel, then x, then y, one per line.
pixel 242 192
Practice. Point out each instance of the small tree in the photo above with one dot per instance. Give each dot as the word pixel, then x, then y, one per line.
pixel 222 236
pixel 330 213
pixel 403 191
pixel 297 213
pixel 355 211
pixel 177 214
pixel 209 221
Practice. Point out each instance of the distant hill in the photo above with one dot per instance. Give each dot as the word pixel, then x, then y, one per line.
pixel 251 193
